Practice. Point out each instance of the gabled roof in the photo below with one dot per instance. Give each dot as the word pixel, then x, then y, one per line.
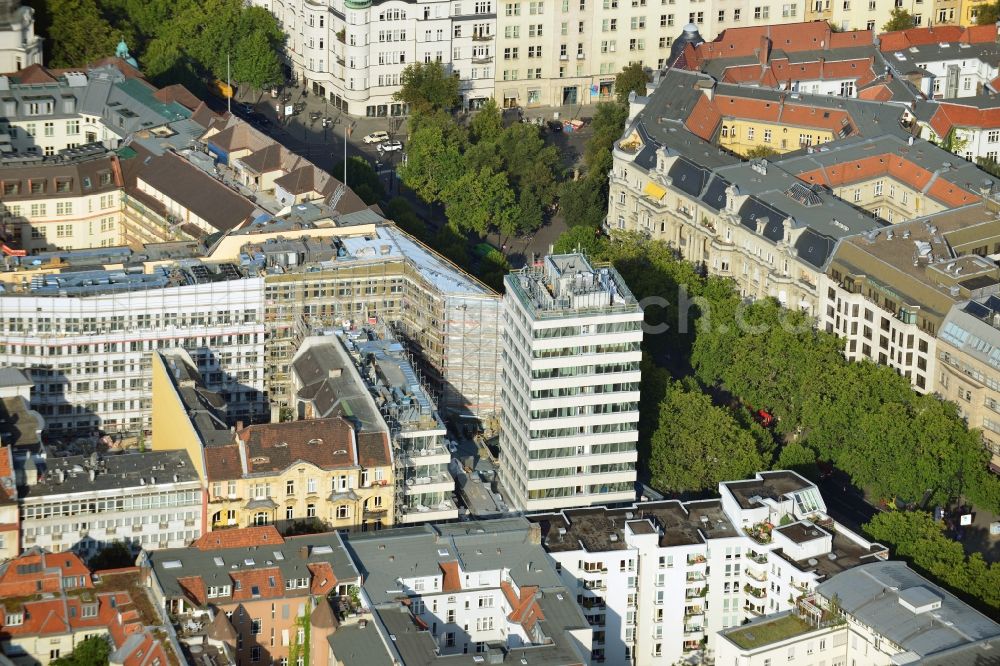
pixel 938 34
pixel 949 115
pixel 704 119
pixel 789 37
pixel 265 535
pixel 274 447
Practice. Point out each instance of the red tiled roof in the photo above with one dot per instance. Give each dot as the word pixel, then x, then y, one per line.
pixel 704 119
pixel 525 610
pixel 858 69
pixel 274 447
pixel 241 538
pixel 948 116
pixel 33 74
pixel 222 463
pixel 790 37
pixel 178 93
pixel 879 93
pixel 452 577
pixel 37 571
pixel 323 578
pixel 194 589
pixel 893 166
pixel 788 114
pixel 373 449
pixel 245 582
pixel 904 39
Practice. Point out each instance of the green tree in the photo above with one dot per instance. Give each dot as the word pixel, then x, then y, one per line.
pixel 401 212
pixel 917 537
pixel 93 651
pixel 697 444
pixel 480 201
pixel 433 156
pixel 453 244
pixel 362 179
pixel 487 123
pixel 582 204
pixel 255 61
pixel 79 33
pixel 580 238
pixel 608 125
pixel 988 14
pixel 761 152
pixel 632 77
pixel 492 269
pixel 899 19
pixel 798 457
pixel 427 87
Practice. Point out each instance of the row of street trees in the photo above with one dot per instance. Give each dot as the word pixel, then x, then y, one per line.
pixel 697 429
pixel 865 418
pixel 177 41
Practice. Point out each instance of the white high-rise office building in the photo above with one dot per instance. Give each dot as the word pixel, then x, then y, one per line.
pixel 570 388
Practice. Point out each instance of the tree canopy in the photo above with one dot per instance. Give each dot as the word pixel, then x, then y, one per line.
pixel 632 77
pixel 864 418
pixel 696 444
pixel 899 19
pixel 988 14
pixel 917 537
pixel 427 87
pixel 182 41
pixel 361 178
pixel 93 651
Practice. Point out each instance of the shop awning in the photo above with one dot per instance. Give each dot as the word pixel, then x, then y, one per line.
pixel 655 191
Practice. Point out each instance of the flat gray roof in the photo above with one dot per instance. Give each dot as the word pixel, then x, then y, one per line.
pixel 872 593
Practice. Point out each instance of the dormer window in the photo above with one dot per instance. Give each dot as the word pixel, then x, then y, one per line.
pixel 14 619
pixel 37 186
pixel 10 189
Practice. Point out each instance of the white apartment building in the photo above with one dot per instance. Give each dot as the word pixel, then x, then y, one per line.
pixel 570 388
pixel 85 338
pixel 876 614
pixel 354 51
pixel 521 52
pixel 481 588
pixel 19 45
pixel 657 580
pixel 83 503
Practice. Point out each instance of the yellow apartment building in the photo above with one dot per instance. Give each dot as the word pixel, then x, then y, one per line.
pixel 318 473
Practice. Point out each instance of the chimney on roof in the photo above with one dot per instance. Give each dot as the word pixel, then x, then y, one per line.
pixel 535 534
pixel 764 51
pixel 239 426
pixel 304 552
pixel 335 372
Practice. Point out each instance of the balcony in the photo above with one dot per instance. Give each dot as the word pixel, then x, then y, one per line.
pixel 757 557
pixel 693 611
pixel 760 532
pixel 696 559
pixel 482 60
pixel 376 513
pixel 481 38
pixel 759 577
pixel 758 592
pixel 694 577
pixel 697 593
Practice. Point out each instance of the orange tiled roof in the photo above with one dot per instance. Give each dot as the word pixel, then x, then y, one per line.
pixel 797 115
pixel 222 463
pixel 452 577
pixel 373 449
pixel 241 538
pixel 268 582
pixel 704 119
pixel 194 588
pixel 323 578
pixel 790 37
pixel 37 571
pixel 893 166
pixel 904 39
pixel 948 116
pixel 781 69
pixel 879 93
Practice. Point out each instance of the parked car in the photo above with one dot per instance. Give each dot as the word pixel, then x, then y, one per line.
pixel 376 137
pixel 390 146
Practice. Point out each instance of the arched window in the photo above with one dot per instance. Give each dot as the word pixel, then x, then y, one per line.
pixel 260 518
